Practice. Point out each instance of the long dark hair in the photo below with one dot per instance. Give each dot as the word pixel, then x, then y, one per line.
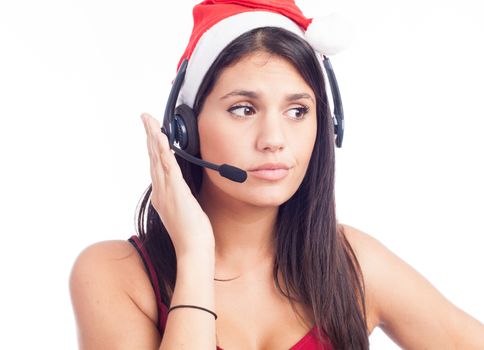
pixel 313 256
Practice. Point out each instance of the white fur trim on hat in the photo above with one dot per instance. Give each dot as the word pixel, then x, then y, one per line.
pixel 214 40
pixel 329 35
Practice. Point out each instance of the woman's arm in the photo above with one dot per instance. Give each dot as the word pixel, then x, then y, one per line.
pixel 115 306
pixel 108 315
pixel 407 307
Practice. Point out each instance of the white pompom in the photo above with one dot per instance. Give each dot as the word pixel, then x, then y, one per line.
pixel 330 34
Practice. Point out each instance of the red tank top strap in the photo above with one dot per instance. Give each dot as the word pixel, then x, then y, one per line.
pixel 162 309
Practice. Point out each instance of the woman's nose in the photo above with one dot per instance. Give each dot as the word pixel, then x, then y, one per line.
pixel 271 134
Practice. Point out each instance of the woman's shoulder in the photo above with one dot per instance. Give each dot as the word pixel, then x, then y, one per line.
pixel 366 248
pixel 405 304
pixel 392 286
pixel 108 258
pixel 112 269
pixel 106 251
pixel 372 256
pixel 357 238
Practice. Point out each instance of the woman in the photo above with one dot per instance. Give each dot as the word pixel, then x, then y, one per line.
pixel 261 264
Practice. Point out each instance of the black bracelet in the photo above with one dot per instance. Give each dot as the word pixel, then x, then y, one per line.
pixel 192 306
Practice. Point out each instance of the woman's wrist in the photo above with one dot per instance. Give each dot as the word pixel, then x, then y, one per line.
pixel 200 260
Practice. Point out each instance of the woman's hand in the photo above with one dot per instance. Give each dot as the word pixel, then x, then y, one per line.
pixel 187 224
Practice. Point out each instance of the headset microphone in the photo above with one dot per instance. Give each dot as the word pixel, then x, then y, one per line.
pixel 179 125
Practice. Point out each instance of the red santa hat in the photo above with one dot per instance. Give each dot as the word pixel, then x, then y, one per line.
pixel 218 22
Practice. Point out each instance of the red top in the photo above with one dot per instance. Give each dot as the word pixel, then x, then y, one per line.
pixel 308 342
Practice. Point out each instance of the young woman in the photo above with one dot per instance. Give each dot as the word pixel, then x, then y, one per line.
pixel 262 263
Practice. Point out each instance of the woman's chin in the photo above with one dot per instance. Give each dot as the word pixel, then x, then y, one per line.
pixel 268 199
pixel 254 194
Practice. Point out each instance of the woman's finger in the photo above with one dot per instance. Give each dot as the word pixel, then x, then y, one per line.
pixel 160 146
pixel 165 164
pixel 156 172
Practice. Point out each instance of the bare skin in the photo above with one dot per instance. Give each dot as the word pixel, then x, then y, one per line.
pixel 113 299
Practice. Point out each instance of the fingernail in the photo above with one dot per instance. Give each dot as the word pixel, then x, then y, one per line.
pixel 144 116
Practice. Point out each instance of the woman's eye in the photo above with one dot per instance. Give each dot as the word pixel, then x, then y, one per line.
pixel 242 111
pixel 299 112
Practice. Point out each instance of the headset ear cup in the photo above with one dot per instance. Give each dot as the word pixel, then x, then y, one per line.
pixel 186 129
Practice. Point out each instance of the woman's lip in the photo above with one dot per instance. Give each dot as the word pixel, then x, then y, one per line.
pixel 270 174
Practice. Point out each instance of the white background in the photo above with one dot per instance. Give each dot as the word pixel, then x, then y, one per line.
pixel 76 75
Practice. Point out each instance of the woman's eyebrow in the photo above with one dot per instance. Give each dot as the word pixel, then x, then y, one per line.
pixel 302 95
pixel 254 95
pixel 245 93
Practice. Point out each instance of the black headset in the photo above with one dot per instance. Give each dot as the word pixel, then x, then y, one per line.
pixel 180 125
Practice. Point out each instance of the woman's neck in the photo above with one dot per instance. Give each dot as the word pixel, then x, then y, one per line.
pixel 244 234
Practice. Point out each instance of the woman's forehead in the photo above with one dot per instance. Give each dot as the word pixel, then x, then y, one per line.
pixel 261 72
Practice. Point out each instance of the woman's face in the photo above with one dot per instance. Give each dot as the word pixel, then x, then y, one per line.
pixel 260 111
